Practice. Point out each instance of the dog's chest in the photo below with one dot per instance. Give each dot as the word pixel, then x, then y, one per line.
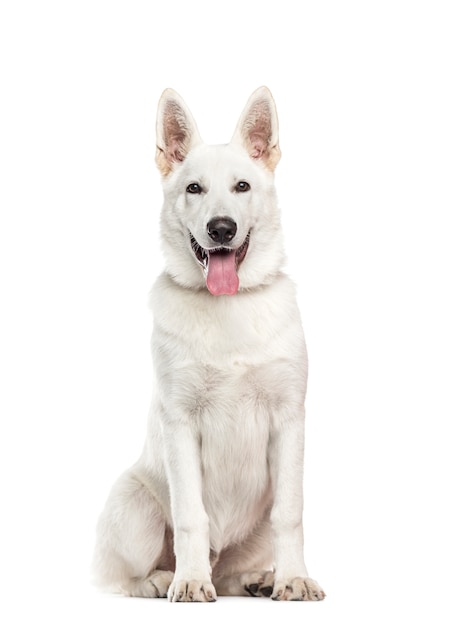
pixel 230 410
pixel 235 371
pixel 233 421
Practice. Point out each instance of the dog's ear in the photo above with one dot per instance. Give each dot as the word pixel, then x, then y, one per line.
pixel 257 129
pixel 176 131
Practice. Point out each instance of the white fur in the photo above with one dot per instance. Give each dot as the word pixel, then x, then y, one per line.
pixel 214 504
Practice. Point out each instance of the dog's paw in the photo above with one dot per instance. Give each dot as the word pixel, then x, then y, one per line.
pixel 192 591
pixel 258 584
pixel 159 582
pixel 297 589
pixel 156 585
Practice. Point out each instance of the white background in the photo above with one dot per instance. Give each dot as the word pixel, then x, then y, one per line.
pixel 373 102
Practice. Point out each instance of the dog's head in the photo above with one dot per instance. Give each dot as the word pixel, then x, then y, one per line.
pixel 220 224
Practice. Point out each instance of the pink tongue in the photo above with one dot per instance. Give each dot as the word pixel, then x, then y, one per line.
pixel 222 278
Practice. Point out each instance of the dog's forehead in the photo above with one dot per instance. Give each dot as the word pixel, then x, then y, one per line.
pixel 220 162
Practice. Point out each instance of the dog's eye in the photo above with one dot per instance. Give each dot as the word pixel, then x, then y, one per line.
pixel 242 186
pixel 194 188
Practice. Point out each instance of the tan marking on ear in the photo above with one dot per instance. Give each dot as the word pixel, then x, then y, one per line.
pixel 162 162
pixel 273 158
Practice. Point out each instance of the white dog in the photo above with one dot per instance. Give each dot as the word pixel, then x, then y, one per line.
pixel 214 504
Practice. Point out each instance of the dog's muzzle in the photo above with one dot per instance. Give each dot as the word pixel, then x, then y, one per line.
pixel 220 264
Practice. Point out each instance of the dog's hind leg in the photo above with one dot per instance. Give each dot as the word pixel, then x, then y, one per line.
pixel 134 552
pixel 155 585
pixel 245 569
pixel 256 584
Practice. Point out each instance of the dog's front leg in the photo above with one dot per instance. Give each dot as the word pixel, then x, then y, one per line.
pixel 286 462
pixel 192 578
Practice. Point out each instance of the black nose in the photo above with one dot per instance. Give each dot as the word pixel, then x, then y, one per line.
pixel 221 229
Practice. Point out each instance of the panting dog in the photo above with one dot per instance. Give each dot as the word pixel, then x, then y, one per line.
pixel 214 505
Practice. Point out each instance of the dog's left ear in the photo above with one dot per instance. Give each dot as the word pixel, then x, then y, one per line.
pixel 176 131
pixel 257 129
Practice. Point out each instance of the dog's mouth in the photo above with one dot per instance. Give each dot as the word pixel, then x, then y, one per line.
pixel 220 266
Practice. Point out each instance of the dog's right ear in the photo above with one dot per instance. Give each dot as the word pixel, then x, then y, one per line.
pixel 176 131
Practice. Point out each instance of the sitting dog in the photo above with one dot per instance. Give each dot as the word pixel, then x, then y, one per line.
pixel 214 505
